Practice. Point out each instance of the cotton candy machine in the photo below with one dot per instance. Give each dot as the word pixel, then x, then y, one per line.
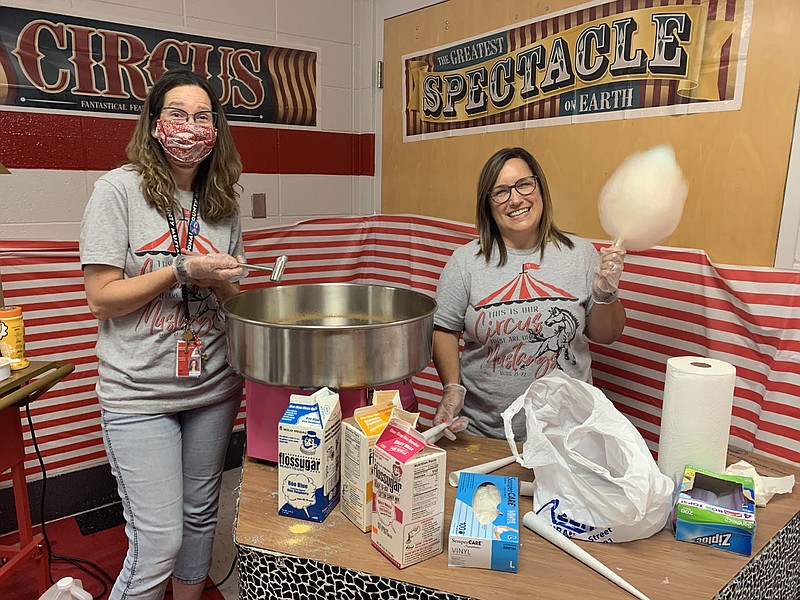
pixel 339 335
pixel 349 337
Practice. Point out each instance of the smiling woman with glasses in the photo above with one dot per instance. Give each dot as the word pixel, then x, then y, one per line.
pixel 526 297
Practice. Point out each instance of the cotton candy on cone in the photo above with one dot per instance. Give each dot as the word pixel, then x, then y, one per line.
pixel 642 202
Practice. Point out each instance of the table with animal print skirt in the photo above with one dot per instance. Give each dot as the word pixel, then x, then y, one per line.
pixel 291 559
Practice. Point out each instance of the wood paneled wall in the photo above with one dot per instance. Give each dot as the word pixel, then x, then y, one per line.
pixel 735 161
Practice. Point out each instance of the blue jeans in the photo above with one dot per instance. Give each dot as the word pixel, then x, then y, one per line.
pixel 168 469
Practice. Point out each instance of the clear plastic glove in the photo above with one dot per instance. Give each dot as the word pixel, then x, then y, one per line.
pixel 451 403
pixel 606 278
pixel 447 429
pixel 192 268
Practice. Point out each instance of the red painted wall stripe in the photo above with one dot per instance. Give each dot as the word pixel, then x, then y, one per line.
pixel 79 143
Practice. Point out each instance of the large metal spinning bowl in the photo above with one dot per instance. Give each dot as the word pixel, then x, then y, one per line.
pixel 339 335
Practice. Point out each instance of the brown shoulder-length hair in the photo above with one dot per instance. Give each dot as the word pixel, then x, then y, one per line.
pixel 487 227
pixel 217 174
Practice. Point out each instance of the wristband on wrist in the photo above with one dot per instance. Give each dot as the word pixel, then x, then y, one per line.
pixel 181 274
pixel 606 299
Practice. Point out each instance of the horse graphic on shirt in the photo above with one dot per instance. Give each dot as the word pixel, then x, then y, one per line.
pixel 561 328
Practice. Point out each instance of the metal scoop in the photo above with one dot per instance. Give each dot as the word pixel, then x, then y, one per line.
pixel 276 271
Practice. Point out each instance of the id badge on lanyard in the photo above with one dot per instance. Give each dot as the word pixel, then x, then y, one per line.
pixel 188 349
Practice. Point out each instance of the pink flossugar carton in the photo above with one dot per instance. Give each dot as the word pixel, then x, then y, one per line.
pixel 408 495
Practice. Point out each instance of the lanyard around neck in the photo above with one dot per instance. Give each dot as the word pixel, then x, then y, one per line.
pixel 176 242
pixel 173 228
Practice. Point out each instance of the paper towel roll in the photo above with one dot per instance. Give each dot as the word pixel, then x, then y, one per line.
pixel 696 415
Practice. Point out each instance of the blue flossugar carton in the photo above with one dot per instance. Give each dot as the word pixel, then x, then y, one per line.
pixel 308 456
pixel 716 510
pixel 484 530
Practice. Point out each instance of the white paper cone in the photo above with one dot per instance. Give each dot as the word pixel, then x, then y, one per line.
pixel 433 434
pixel 526 488
pixel 539 525
pixel 486 467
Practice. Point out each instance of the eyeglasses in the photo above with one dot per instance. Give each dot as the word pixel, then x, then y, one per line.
pixel 206 118
pixel 500 194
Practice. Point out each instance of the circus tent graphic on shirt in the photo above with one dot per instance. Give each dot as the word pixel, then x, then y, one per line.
pixel 163 243
pixel 525 288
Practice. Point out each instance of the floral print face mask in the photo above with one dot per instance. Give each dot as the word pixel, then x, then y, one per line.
pixel 185 144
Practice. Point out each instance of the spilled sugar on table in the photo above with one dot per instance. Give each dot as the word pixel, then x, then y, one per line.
pixel 282 557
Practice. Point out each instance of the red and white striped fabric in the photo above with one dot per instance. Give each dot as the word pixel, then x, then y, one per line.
pixel 678 303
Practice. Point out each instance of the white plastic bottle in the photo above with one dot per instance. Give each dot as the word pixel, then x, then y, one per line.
pixel 66 588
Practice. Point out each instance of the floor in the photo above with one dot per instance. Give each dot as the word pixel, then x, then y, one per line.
pixel 99 537
pixel 224 549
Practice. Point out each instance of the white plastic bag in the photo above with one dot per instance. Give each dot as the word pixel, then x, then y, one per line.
pixel 595 477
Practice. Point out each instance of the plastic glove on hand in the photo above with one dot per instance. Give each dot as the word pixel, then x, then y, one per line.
pixel 451 403
pixel 447 412
pixel 458 425
pixel 608 274
pixel 447 429
pixel 195 267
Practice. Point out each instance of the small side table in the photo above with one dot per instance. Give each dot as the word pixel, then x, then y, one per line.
pixel 24 386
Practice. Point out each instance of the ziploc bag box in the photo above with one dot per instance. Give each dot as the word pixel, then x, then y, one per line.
pixel 484 530
pixel 408 495
pixel 716 510
pixel 359 434
pixel 308 455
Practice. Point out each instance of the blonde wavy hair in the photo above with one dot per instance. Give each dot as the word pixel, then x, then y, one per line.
pixel 217 175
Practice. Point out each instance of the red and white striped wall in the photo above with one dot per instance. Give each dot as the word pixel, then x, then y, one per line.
pixel 678 303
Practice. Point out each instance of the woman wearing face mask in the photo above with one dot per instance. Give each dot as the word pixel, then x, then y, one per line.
pixel 157 243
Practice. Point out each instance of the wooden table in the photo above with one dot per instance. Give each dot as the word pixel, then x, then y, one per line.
pixel 281 557
pixel 24 386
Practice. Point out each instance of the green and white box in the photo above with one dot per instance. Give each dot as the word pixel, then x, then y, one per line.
pixel 716 510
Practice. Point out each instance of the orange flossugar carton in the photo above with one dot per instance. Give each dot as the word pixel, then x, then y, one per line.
pixel 359 434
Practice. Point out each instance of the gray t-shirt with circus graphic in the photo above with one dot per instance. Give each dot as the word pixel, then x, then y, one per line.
pixel 137 353
pixel 519 322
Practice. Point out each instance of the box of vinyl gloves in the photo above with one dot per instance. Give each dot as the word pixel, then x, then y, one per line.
pixel 484 530
pixel 308 456
pixel 359 434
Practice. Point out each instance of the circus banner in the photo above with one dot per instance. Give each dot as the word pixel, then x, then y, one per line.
pixel 603 60
pixel 54 62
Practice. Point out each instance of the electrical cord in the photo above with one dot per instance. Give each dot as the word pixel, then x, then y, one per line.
pixel 99 574
pixel 224 579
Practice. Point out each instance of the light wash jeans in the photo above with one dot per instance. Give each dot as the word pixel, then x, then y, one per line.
pixel 168 469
